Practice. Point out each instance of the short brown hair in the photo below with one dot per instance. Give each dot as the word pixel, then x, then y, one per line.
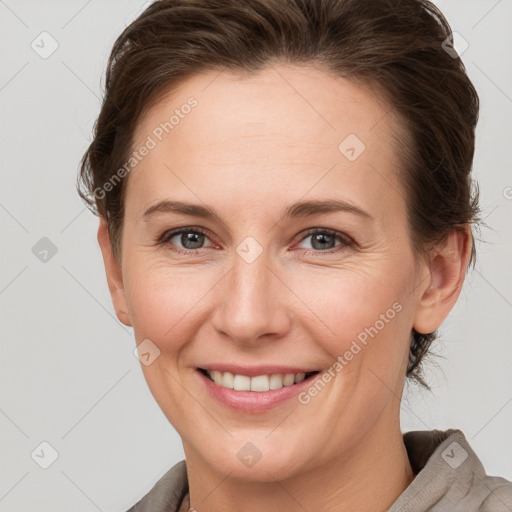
pixel 397 47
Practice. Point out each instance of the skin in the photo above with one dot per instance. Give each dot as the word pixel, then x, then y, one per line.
pixel 250 148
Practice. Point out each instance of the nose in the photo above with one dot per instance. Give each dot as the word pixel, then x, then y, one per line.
pixel 253 302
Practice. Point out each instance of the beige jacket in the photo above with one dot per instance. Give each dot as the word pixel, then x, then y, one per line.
pixel 449 478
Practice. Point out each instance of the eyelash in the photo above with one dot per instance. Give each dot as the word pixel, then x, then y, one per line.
pixel 346 241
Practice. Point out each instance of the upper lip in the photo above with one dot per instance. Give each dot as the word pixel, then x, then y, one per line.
pixel 254 371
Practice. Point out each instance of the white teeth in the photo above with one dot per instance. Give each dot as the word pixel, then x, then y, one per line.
pixel 259 384
pixel 299 377
pixel 216 376
pixel 242 383
pixel 289 379
pixel 227 380
pixel 276 381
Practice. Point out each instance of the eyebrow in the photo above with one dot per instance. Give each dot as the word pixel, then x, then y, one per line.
pixel 194 210
pixel 300 209
pixel 307 208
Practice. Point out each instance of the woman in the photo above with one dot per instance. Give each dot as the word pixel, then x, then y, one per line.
pixel 285 209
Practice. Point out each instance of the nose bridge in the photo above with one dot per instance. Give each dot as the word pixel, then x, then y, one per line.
pixel 249 307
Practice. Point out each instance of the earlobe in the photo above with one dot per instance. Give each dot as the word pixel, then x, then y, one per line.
pixel 447 270
pixel 114 275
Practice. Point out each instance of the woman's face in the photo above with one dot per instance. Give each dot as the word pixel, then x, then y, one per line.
pixel 270 285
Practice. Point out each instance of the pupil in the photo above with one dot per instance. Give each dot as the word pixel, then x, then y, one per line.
pixel 192 240
pixel 321 237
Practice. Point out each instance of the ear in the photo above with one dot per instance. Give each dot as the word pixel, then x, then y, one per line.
pixel 447 269
pixel 114 275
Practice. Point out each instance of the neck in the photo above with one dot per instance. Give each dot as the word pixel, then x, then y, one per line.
pixel 356 480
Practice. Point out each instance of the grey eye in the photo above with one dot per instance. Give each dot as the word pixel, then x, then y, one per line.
pixel 321 241
pixel 190 239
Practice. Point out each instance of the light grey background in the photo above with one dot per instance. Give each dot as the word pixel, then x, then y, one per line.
pixel 68 373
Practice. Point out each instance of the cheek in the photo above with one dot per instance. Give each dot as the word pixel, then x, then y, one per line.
pixel 354 313
pixel 163 300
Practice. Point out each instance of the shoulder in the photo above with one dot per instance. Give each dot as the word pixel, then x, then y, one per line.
pixel 449 476
pixel 499 497
pixel 472 487
pixel 166 495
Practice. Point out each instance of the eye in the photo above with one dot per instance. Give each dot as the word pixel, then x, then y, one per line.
pixel 188 240
pixel 191 239
pixel 324 240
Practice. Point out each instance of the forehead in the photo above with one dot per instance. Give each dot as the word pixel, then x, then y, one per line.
pixel 286 127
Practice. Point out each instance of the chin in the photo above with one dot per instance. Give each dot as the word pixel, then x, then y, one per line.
pixel 256 461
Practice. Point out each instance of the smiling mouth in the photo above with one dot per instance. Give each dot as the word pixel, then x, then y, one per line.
pixel 259 383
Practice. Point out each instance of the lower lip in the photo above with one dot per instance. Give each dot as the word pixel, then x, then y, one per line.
pixel 254 401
